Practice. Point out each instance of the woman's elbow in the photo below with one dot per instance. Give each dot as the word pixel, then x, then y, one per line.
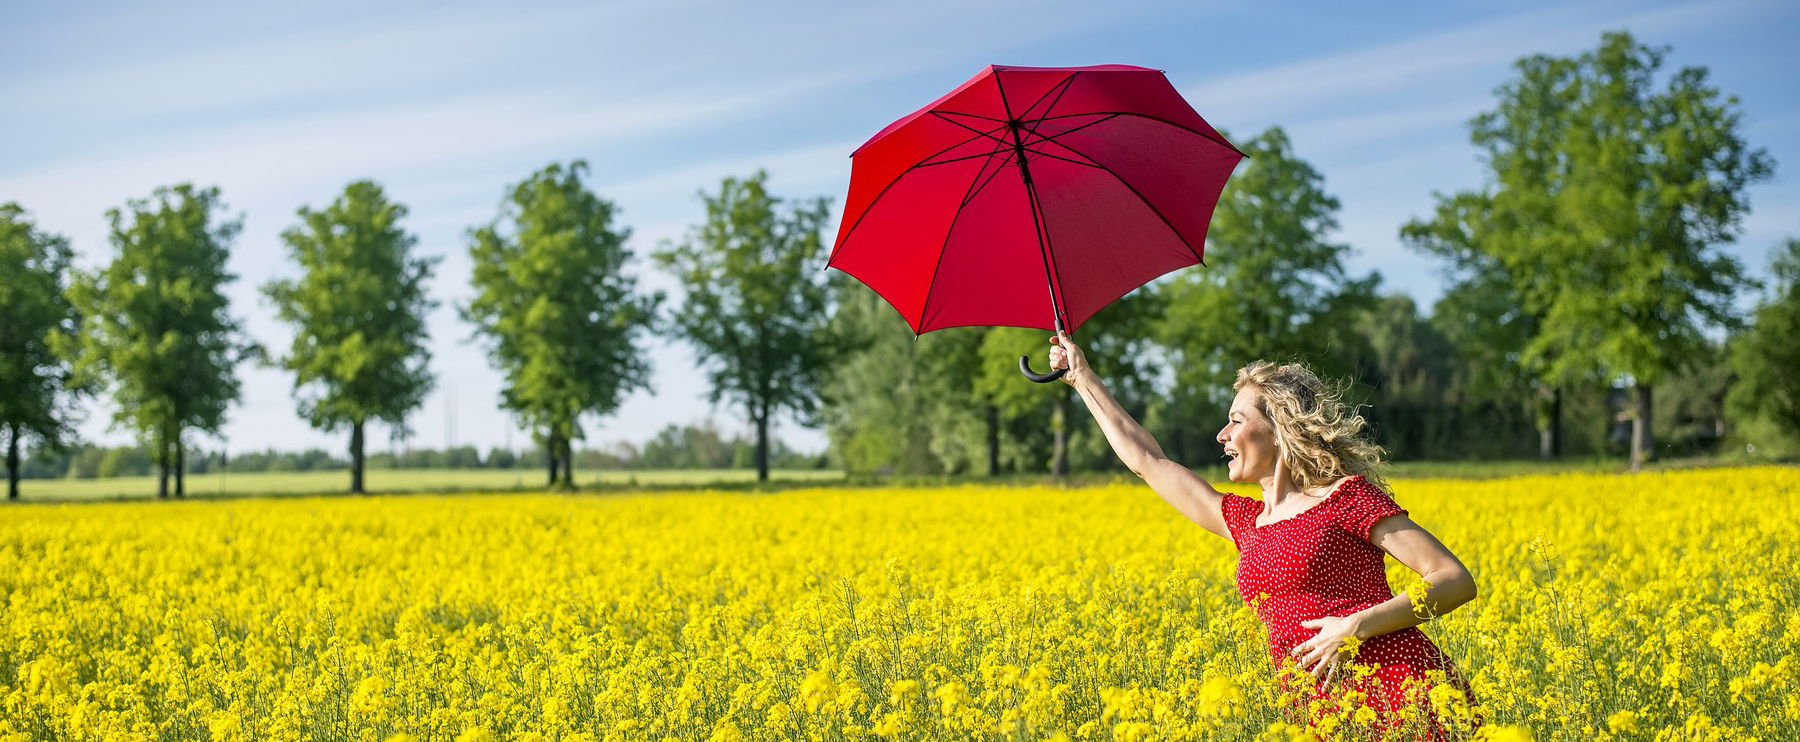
pixel 1143 465
pixel 1469 591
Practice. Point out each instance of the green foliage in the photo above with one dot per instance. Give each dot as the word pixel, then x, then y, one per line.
pixel 756 308
pixel 1027 410
pixel 561 318
pixel 1766 355
pixel 879 401
pixel 1589 254
pixel 124 461
pixel 358 311
pixel 1411 371
pixel 1656 179
pixel 36 319
pixel 155 320
pixel 1275 288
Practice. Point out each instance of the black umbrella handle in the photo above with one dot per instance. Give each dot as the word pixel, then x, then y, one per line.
pixel 1025 368
pixel 1025 363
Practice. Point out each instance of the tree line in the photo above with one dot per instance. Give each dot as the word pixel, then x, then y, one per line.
pixel 1587 295
pixel 695 446
pixel 559 316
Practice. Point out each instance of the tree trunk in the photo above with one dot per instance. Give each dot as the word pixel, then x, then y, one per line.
pixel 12 462
pixel 162 470
pixel 993 440
pixel 180 468
pixel 356 457
pixel 550 451
pixel 1059 427
pixel 762 446
pixel 568 461
pixel 1643 448
pixel 1549 422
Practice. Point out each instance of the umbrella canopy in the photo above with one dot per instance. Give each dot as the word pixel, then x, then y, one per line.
pixel 1032 197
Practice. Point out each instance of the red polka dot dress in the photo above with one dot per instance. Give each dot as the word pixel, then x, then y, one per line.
pixel 1321 563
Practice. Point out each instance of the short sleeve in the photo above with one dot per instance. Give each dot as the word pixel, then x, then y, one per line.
pixel 1239 511
pixel 1362 511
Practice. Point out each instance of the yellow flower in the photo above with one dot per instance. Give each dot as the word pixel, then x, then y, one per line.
pixel 475 734
pixel 1221 696
pixel 1504 734
pixel 1623 722
pixel 1007 612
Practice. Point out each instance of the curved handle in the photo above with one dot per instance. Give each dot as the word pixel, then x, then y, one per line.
pixel 1025 368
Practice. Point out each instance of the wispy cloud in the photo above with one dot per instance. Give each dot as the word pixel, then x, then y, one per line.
pixel 1273 93
pixel 235 74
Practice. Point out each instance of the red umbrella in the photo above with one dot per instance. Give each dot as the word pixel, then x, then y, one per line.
pixel 1080 183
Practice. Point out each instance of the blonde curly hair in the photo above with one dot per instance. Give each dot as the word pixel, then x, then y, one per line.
pixel 1320 435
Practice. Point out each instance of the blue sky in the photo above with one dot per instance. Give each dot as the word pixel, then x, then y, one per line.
pixel 446 104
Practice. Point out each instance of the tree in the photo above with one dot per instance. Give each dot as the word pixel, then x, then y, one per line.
pixel 1117 343
pixel 1608 198
pixel 155 322
pixel 358 312
pixel 1766 355
pixel 757 305
pixel 1658 180
pixel 1275 287
pixel 1414 373
pixel 874 398
pixel 1493 303
pixel 1034 418
pixel 903 403
pixel 562 319
pixel 36 320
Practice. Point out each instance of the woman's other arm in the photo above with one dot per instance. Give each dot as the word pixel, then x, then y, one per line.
pixel 1452 585
pixel 1136 448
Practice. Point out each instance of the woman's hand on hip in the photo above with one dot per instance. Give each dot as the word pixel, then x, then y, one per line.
pixel 1327 649
pixel 1065 354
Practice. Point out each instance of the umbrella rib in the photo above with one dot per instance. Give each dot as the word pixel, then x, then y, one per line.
pixel 989 134
pixel 1042 153
pixel 1004 161
pixel 1053 137
pixel 1147 204
pixel 1059 89
pixel 970 115
pixel 1211 137
pixel 960 159
pixel 968 192
pixel 884 191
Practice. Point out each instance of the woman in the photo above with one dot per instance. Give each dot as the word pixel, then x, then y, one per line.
pixel 1310 554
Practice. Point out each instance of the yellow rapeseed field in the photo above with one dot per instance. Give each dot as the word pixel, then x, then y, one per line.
pixel 1655 606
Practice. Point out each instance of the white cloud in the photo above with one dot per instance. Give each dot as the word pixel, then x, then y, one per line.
pixel 1273 93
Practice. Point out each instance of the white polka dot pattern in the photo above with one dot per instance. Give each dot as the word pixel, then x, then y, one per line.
pixel 1320 563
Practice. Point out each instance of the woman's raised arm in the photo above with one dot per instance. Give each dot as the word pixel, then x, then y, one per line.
pixel 1176 484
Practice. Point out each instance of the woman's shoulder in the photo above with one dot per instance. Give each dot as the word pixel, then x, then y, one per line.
pixel 1238 509
pixel 1232 502
pixel 1362 502
pixel 1360 485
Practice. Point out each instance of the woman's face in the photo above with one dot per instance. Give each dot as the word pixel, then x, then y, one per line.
pixel 1249 440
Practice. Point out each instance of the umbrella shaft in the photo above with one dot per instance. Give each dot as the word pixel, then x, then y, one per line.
pixel 1056 314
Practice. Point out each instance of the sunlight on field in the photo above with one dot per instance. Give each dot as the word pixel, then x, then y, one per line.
pixel 1612 607
pixel 394 480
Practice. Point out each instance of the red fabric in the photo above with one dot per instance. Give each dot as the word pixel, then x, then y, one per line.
pixel 938 220
pixel 1320 563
